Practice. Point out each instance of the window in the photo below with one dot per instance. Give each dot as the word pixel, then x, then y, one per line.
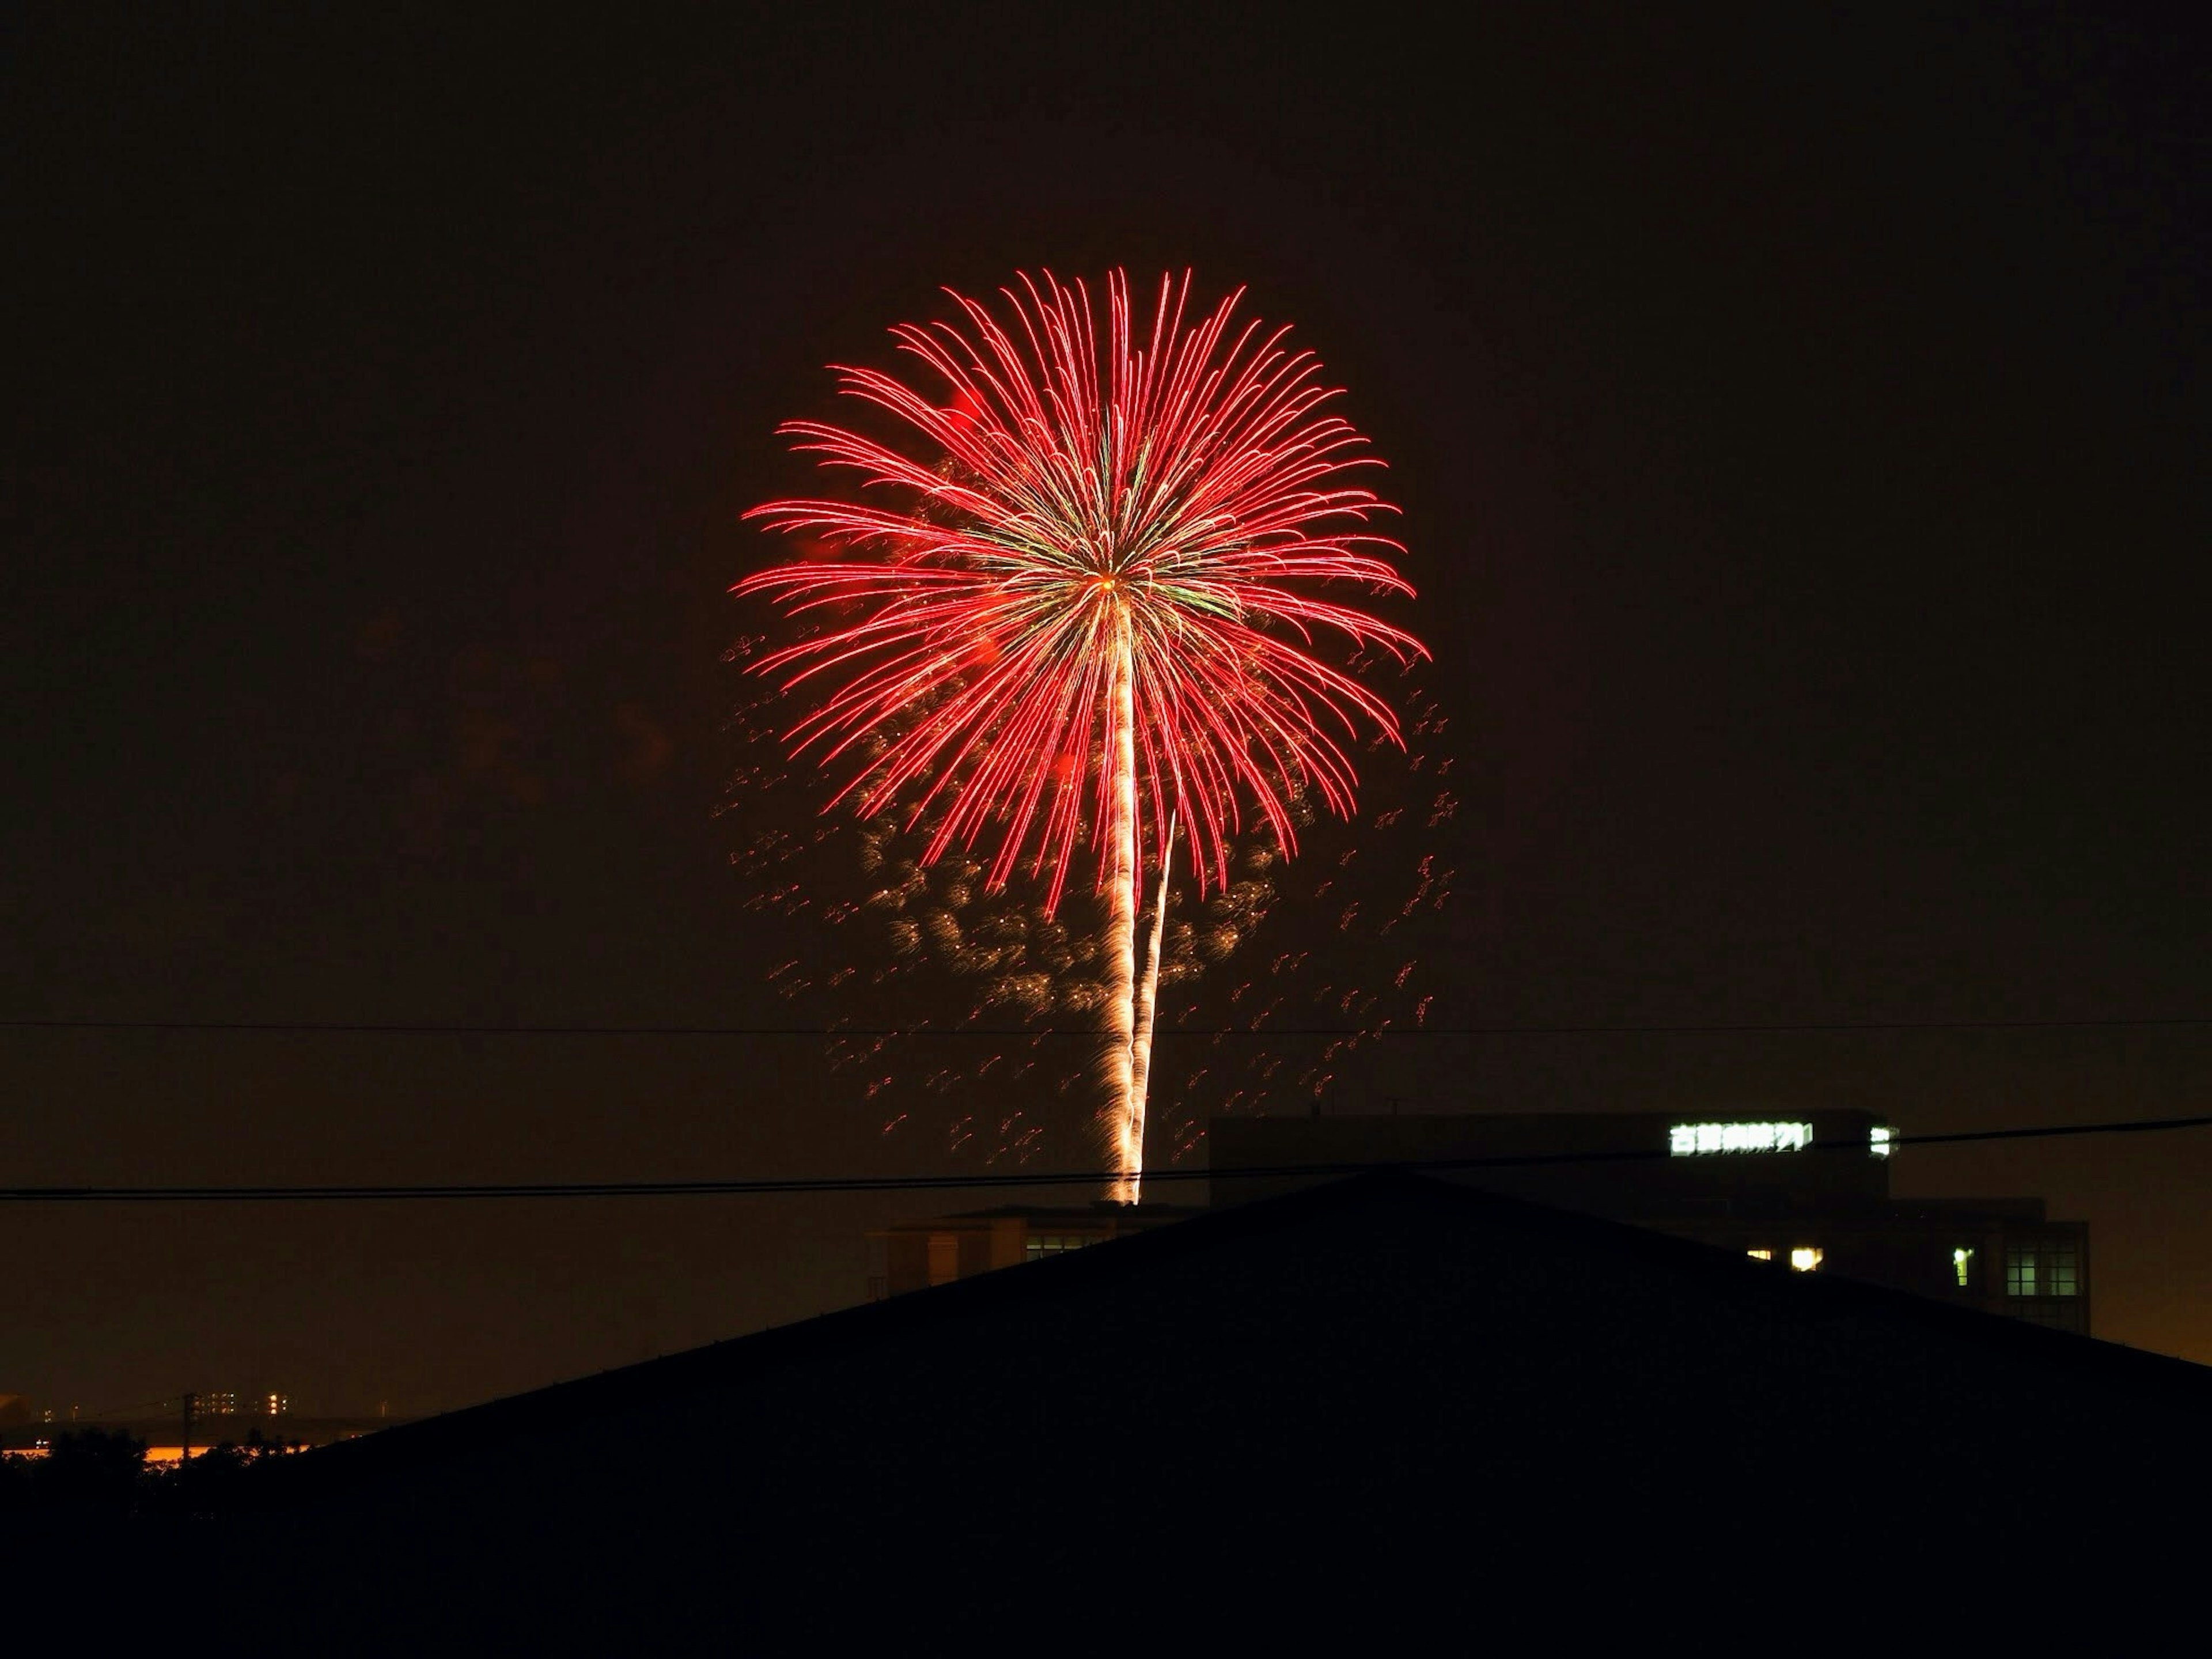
pixel 1807 1258
pixel 2061 1268
pixel 1880 1139
pixel 2044 1266
pixel 1045 1245
pixel 1760 1256
pixel 1962 1263
pixel 943 1258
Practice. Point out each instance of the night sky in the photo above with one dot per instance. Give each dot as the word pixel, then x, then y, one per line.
pixel 1800 426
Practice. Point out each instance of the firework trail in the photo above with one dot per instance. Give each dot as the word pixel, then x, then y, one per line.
pixel 1246 1027
pixel 1130 1147
pixel 1091 611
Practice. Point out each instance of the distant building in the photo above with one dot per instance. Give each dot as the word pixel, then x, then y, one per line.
pixel 186 1425
pixel 1808 1189
pixel 916 1254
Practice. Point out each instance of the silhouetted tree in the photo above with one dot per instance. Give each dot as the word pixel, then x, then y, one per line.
pixel 92 1473
pixel 17 1488
pixel 222 1480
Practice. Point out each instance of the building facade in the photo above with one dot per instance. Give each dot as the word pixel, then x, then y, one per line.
pixel 1808 1191
pixel 916 1254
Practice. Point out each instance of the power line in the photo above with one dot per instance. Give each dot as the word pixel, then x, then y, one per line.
pixel 1011 1179
pixel 370 1028
pixel 109 1413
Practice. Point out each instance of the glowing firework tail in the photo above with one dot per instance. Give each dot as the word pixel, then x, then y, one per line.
pixel 1129 1145
pixel 1089 608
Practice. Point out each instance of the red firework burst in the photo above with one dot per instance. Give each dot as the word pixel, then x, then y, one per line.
pixel 1098 589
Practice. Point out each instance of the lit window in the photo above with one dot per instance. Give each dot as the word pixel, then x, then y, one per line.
pixel 1962 1263
pixel 2061 1270
pixel 1692 1139
pixel 1045 1245
pixel 1880 1140
pixel 1807 1257
pixel 1760 1256
pixel 2050 1266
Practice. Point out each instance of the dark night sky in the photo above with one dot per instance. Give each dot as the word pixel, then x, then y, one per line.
pixel 1800 430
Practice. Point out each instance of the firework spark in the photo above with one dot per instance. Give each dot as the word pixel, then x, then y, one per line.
pixel 1091 611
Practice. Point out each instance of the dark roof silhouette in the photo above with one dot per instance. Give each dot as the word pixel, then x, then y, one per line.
pixel 1366 1408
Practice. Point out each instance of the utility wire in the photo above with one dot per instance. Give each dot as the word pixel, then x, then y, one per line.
pixel 366 1028
pixel 106 1413
pixel 1012 1179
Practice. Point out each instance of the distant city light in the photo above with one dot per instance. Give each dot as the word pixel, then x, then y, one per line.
pixel 1807 1257
pixel 1760 1256
pixel 1879 1140
pixel 1690 1139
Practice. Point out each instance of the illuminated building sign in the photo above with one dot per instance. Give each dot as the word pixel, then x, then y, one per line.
pixel 1689 1139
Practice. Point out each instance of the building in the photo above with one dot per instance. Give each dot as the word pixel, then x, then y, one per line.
pixel 1809 1190
pixel 916 1254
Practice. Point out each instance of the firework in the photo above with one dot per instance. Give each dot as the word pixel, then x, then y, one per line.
pixel 1247 1026
pixel 1089 617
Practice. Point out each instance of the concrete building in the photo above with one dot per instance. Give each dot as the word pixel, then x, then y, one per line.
pixel 916 1254
pixel 1809 1190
